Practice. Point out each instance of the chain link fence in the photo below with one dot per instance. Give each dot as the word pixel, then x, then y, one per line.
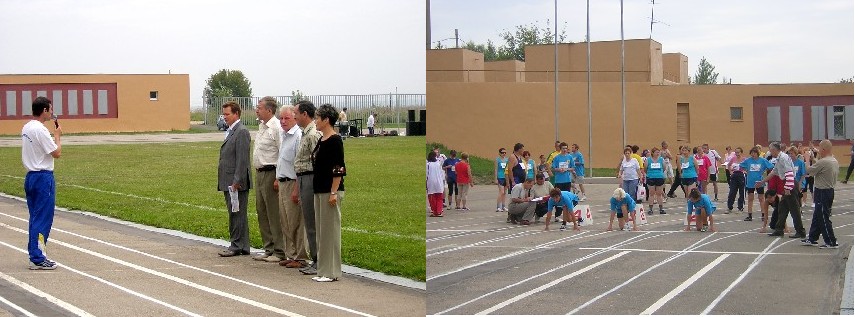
pixel 390 109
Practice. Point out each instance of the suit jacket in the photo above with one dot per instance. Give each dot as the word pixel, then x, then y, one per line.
pixel 234 160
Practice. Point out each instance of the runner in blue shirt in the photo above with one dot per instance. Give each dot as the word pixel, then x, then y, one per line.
pixel 754 167
pixel 565 200
pixel 579 168
pixel 562 168
pixel 622 205
pixel 703 209
pixel 688 169
pixel 655 171
pixel 451 179
pixel 500 165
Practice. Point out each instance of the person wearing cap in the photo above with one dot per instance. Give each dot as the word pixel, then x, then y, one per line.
pixel 622 205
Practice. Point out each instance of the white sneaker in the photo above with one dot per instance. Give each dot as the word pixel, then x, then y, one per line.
pixel 504 208
pixel 583 198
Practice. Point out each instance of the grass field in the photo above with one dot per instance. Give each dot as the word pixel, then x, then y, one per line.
pixel 174 186
pixel 482 169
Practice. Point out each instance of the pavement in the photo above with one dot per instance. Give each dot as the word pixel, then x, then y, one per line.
pixel 479 264
pixel 109 267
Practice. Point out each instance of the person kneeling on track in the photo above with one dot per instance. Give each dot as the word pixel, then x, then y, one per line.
pixel 703 209
pixel 622 204
pixel 566 200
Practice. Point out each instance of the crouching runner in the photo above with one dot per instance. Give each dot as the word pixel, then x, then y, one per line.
pixel 566 200
pixel 622 206
pixel 703 209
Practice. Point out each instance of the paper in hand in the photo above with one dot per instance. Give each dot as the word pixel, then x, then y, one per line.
pixel 233 195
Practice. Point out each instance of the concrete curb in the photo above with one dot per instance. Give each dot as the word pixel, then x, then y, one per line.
pixel 846 302
pixel 352 270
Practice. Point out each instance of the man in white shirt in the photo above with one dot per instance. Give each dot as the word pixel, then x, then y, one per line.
pixel 265 157
pixel 37 153
pixel 371 124
pixel 291 215
pixel 344 127
pixel 715 159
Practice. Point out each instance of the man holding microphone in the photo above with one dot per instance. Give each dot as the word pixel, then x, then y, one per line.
pixel 38 151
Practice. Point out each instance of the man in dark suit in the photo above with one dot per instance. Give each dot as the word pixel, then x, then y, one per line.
pixel 233 171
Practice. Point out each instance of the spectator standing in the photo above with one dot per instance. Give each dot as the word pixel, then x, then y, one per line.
pixel 579 170
pixel 448 166
pixel 825 176
pixel 736 183
pixel 789 199
pixel 715 159
pixel 265 156
pixel 464 179
pixel 370 124
pixel 499 167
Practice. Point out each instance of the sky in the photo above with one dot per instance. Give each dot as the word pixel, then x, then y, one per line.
pixel 758 41
pixel 318 47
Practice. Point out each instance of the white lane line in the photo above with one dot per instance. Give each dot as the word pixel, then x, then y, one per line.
pixel 745 273
pixel 512 236
pixel 206 271
pixel 710 252
pixel 35 291
pixel 463 234
pixel 683 286
pixel 694 246
pixel 168 277
pixel 550 284
pixel 16 307
pixel 126 290
pixel 741 276
pixel 513 254
pixel 460 230
pixel 625 242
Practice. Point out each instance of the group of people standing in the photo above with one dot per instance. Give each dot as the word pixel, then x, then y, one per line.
pixel 299 185
pixel 450 174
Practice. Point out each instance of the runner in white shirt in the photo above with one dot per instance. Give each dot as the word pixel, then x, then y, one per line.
pixel 715 159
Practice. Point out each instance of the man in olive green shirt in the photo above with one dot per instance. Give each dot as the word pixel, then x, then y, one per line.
pixel 305 175
pixel 824 174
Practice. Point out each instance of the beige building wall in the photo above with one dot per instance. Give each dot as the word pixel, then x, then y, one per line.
pixel 135 111
pixel 455 65
pixel 480 117
pixel 504 71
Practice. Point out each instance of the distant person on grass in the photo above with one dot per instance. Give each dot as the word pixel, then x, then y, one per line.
pixel 464 179
pixel 344 127
pixel 370 124
pixel 233 171
pixel 265 156
pixel 38 150
pixel 291 215
pixel 305 177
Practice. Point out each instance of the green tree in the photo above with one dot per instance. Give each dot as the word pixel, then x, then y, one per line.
pixel 706 74
pixel 227 83
pixel 514 43
pixel 297 96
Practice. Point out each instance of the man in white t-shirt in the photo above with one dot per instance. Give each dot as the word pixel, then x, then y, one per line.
pixel 38 150
pixel 715 159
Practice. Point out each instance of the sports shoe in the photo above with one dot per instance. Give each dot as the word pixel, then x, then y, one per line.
pixel 272 258
pixel 583 198
pixel 45 265
pixel 826 246
pixel 704 228
pixel 498 209
pixel 504 208
pixel 627 226
pixel 309 270
pixel 563 227
pixel 324 279
pixel 662 211
pixel 798 235
pixel 556 219
pixel 261 256
pixel 747 218
pixel 808 242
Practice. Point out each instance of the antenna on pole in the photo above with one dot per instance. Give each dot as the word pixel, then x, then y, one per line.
pixel 652 20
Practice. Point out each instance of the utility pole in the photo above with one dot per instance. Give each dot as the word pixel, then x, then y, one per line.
pixel 427 36
pixel 556 70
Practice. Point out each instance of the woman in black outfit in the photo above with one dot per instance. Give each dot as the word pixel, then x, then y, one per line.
pixel 328 161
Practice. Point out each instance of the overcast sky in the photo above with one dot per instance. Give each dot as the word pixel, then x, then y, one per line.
pixel 762 41
pixel 319 47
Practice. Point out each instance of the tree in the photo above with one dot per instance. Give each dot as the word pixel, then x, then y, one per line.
pixel 846 80
pixel 297 96
pixel 514 47
pixel 491 53
pixel 227 83
pixel 706 74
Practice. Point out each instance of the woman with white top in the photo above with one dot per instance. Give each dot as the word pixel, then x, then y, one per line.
pixel 736 180
pixel 630 173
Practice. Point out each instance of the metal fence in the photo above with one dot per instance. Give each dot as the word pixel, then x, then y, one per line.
pixel 391 109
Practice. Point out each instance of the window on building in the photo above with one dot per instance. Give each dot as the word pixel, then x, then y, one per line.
pixel 683 122
pixel 152 95
pixel 817 119
pixel 735 113
pixel 797 126
pixel 773 121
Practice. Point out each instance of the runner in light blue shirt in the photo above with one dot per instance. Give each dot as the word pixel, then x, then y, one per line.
pixel 566 200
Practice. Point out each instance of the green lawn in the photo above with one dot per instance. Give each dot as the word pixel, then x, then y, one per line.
pixel 174 186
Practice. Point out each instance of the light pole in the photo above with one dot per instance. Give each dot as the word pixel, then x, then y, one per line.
pixel 556 70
